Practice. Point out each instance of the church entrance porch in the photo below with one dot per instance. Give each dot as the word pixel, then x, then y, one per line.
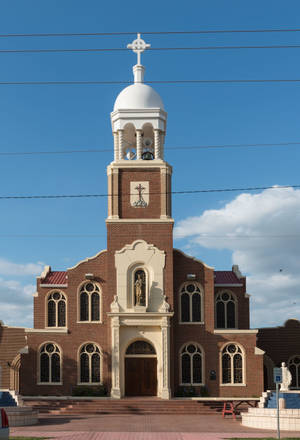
pixel 140 376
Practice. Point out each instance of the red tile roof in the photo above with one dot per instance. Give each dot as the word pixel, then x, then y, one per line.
pixel 55 277
pixel 226 277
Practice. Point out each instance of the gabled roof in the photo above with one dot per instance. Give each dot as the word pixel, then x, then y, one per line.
pixel 226 277
pixel 55 278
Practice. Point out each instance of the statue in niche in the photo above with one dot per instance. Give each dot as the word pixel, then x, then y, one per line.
pixel 139 288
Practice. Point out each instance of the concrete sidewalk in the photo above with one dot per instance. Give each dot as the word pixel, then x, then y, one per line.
pixel 141 427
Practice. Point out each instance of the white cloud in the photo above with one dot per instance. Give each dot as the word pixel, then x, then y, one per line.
pixel 16 303
pixel 263 232
pixel 15 269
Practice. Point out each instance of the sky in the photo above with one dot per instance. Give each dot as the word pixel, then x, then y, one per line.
pixel 258 230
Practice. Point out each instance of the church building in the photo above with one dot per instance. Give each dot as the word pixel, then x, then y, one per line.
pixel 140 318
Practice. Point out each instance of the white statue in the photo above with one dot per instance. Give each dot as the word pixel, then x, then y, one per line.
pixel 286 378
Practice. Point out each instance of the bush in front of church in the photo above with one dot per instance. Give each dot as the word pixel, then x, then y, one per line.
pixel 89 391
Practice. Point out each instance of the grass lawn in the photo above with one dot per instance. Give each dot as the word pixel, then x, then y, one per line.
pixel 27 438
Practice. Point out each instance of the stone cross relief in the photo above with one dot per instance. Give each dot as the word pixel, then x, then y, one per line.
pixel 138 46
pixel 139 194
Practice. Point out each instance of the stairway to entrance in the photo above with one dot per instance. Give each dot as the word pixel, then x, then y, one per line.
pixel 124 406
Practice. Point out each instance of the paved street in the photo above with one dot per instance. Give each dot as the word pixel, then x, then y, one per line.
pixel 141 427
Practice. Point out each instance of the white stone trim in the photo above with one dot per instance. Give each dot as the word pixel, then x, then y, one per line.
pixel 234 331
pixel 193 258
pixel 47 330
pixel 258 351
pixel 53 286
pixel 137 220
pixel 86 260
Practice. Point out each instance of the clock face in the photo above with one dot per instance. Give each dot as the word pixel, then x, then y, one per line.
pixel 139 194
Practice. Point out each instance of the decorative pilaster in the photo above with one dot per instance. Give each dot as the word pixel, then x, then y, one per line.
pixel 157 150
pixel 165 334
pixel 121 143
pixel 115 343
pixel 116 145
pixel 138 144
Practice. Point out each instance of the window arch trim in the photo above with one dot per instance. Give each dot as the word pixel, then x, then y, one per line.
pixel 51 292
pixel 181 293
pixel 181 353
pixel 39 364
pixel 243 353
pixel 220 292
pixel 90 363
pixel 297 378
pixel 89 321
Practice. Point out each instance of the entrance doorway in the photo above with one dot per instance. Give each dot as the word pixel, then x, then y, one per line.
pixel 140 370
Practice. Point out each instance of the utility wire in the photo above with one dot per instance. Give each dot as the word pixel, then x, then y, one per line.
pixel 100 34
pixel 119 49
pixel 176 236
pixel 184 81
pixel 64 196
pixel 106 150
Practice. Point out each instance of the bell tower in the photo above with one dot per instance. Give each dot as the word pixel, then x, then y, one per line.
pixel 139 178
pixel 139 234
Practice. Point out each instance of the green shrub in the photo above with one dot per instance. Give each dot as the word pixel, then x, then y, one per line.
pixel 89 391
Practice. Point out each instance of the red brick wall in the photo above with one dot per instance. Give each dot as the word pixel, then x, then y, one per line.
pixel 280 343
pixel 153 209
pixel 12 339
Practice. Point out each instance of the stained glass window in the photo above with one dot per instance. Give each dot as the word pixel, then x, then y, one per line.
pixel 90 302
pixel 90 363
pixel 191 303
pixel 232 364
pixel 191 364
pixel 140 347
pixel 50 363
pixel 225 310
pixel 294 367
pixel 56 302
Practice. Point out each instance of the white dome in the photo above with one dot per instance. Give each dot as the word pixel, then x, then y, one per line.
pixel 138 96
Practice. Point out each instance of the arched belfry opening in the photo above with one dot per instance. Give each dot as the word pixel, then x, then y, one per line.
pixel 140 369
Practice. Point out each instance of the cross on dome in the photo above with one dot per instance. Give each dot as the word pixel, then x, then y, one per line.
pixel 138 46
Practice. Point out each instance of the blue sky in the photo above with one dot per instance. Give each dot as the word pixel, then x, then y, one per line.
pixel 75 117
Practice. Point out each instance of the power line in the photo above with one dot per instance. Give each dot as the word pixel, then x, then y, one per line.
pixel 65 196
pixel 184 81
pixel 121 49
pixel 229 237
pixel 100 34
pixel 106 150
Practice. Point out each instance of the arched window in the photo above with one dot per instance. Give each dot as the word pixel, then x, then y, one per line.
pixel 226 310
pixel 294 367
pixel 89 302
pixel 140 281
pixel 89 362
pixel 140 347
pixel 50 363
pixel 232 364
pixel 56 309
pixel 191 365
pixel 191 303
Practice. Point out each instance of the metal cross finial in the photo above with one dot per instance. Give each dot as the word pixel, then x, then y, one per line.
pixel 138 46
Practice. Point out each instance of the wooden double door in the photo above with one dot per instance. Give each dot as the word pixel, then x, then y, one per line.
pixel 140 376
